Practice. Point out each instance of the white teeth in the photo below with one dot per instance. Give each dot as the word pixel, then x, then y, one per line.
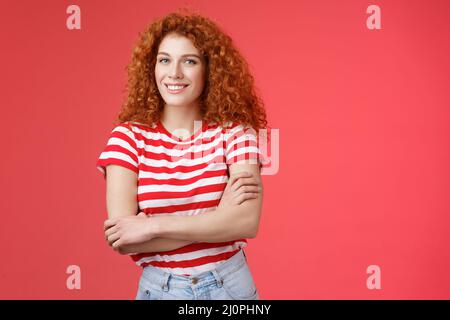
pixel 175 87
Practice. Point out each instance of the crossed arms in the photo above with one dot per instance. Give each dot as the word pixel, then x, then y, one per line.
pixel 237 216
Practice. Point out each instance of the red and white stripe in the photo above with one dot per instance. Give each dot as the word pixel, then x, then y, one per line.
pixel 180 178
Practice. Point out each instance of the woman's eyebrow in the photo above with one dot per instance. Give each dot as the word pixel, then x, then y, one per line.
pixel 184 55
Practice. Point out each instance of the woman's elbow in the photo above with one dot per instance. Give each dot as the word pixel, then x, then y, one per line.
pixel 251 230
pixel 251 234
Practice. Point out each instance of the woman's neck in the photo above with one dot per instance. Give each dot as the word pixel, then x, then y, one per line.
pixel 180 119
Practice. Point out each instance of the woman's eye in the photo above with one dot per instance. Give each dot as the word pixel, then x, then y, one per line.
pixel 193 61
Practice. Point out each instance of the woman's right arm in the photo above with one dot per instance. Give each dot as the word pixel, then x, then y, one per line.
pixel 121 194
pixel 154 245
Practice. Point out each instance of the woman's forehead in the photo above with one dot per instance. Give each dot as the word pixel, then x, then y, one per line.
pixel 174 42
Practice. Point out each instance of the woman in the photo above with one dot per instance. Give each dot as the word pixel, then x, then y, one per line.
pixel 182 163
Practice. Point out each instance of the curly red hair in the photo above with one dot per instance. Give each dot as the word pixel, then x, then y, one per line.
pixel 229 94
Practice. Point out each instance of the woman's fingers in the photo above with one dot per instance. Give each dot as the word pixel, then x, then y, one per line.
pixel 244 182
pixel 110 231
pixel 117 245
pixel 247 188
pixel 245 193
pixel 241 186
pixel 113 237
pixel 245 196
pixel 238 176
pixel 109 223
pixel 251 190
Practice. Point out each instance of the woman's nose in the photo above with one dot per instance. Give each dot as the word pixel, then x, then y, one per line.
pixel 175 71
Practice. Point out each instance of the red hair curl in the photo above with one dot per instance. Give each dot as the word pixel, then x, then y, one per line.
pixel 229 94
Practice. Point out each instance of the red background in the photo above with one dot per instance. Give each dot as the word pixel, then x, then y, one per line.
pixel 364 144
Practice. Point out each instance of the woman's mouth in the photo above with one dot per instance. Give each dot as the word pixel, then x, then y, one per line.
pixel 175 89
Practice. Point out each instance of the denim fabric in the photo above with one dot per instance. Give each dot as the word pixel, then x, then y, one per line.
pixel 231 280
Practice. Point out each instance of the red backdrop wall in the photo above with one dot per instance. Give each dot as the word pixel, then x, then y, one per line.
pixel 364 144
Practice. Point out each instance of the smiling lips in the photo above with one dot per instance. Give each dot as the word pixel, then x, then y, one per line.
pixel 176 88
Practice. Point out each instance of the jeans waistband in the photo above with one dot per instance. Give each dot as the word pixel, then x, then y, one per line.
pixel 161 278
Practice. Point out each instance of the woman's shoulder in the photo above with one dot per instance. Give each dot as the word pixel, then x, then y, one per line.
pixel 137 127
pixel 232 127
pixel 226 125
pixel 138 130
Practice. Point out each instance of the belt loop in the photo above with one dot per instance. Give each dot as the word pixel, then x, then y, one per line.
pixel 165 285
pixel 219 279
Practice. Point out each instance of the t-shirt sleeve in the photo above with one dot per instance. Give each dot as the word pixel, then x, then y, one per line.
pixel 121 149
pixel 242 144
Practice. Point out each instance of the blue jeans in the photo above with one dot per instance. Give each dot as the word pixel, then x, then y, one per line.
pixel 231 280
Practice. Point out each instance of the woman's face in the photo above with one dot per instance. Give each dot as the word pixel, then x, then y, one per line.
pixel 179 62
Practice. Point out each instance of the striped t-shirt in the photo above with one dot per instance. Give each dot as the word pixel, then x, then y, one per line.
pixel 181 177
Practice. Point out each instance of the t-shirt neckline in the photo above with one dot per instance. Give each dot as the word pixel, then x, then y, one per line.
pixel 163 129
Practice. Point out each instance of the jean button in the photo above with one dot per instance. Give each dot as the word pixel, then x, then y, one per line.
pixel 194 280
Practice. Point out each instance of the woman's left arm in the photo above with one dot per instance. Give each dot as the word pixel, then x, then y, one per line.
pixel 228 222
pixel 233 219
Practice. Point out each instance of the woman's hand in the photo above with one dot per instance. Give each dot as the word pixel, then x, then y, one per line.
pixel 128 230
pixel 241 187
